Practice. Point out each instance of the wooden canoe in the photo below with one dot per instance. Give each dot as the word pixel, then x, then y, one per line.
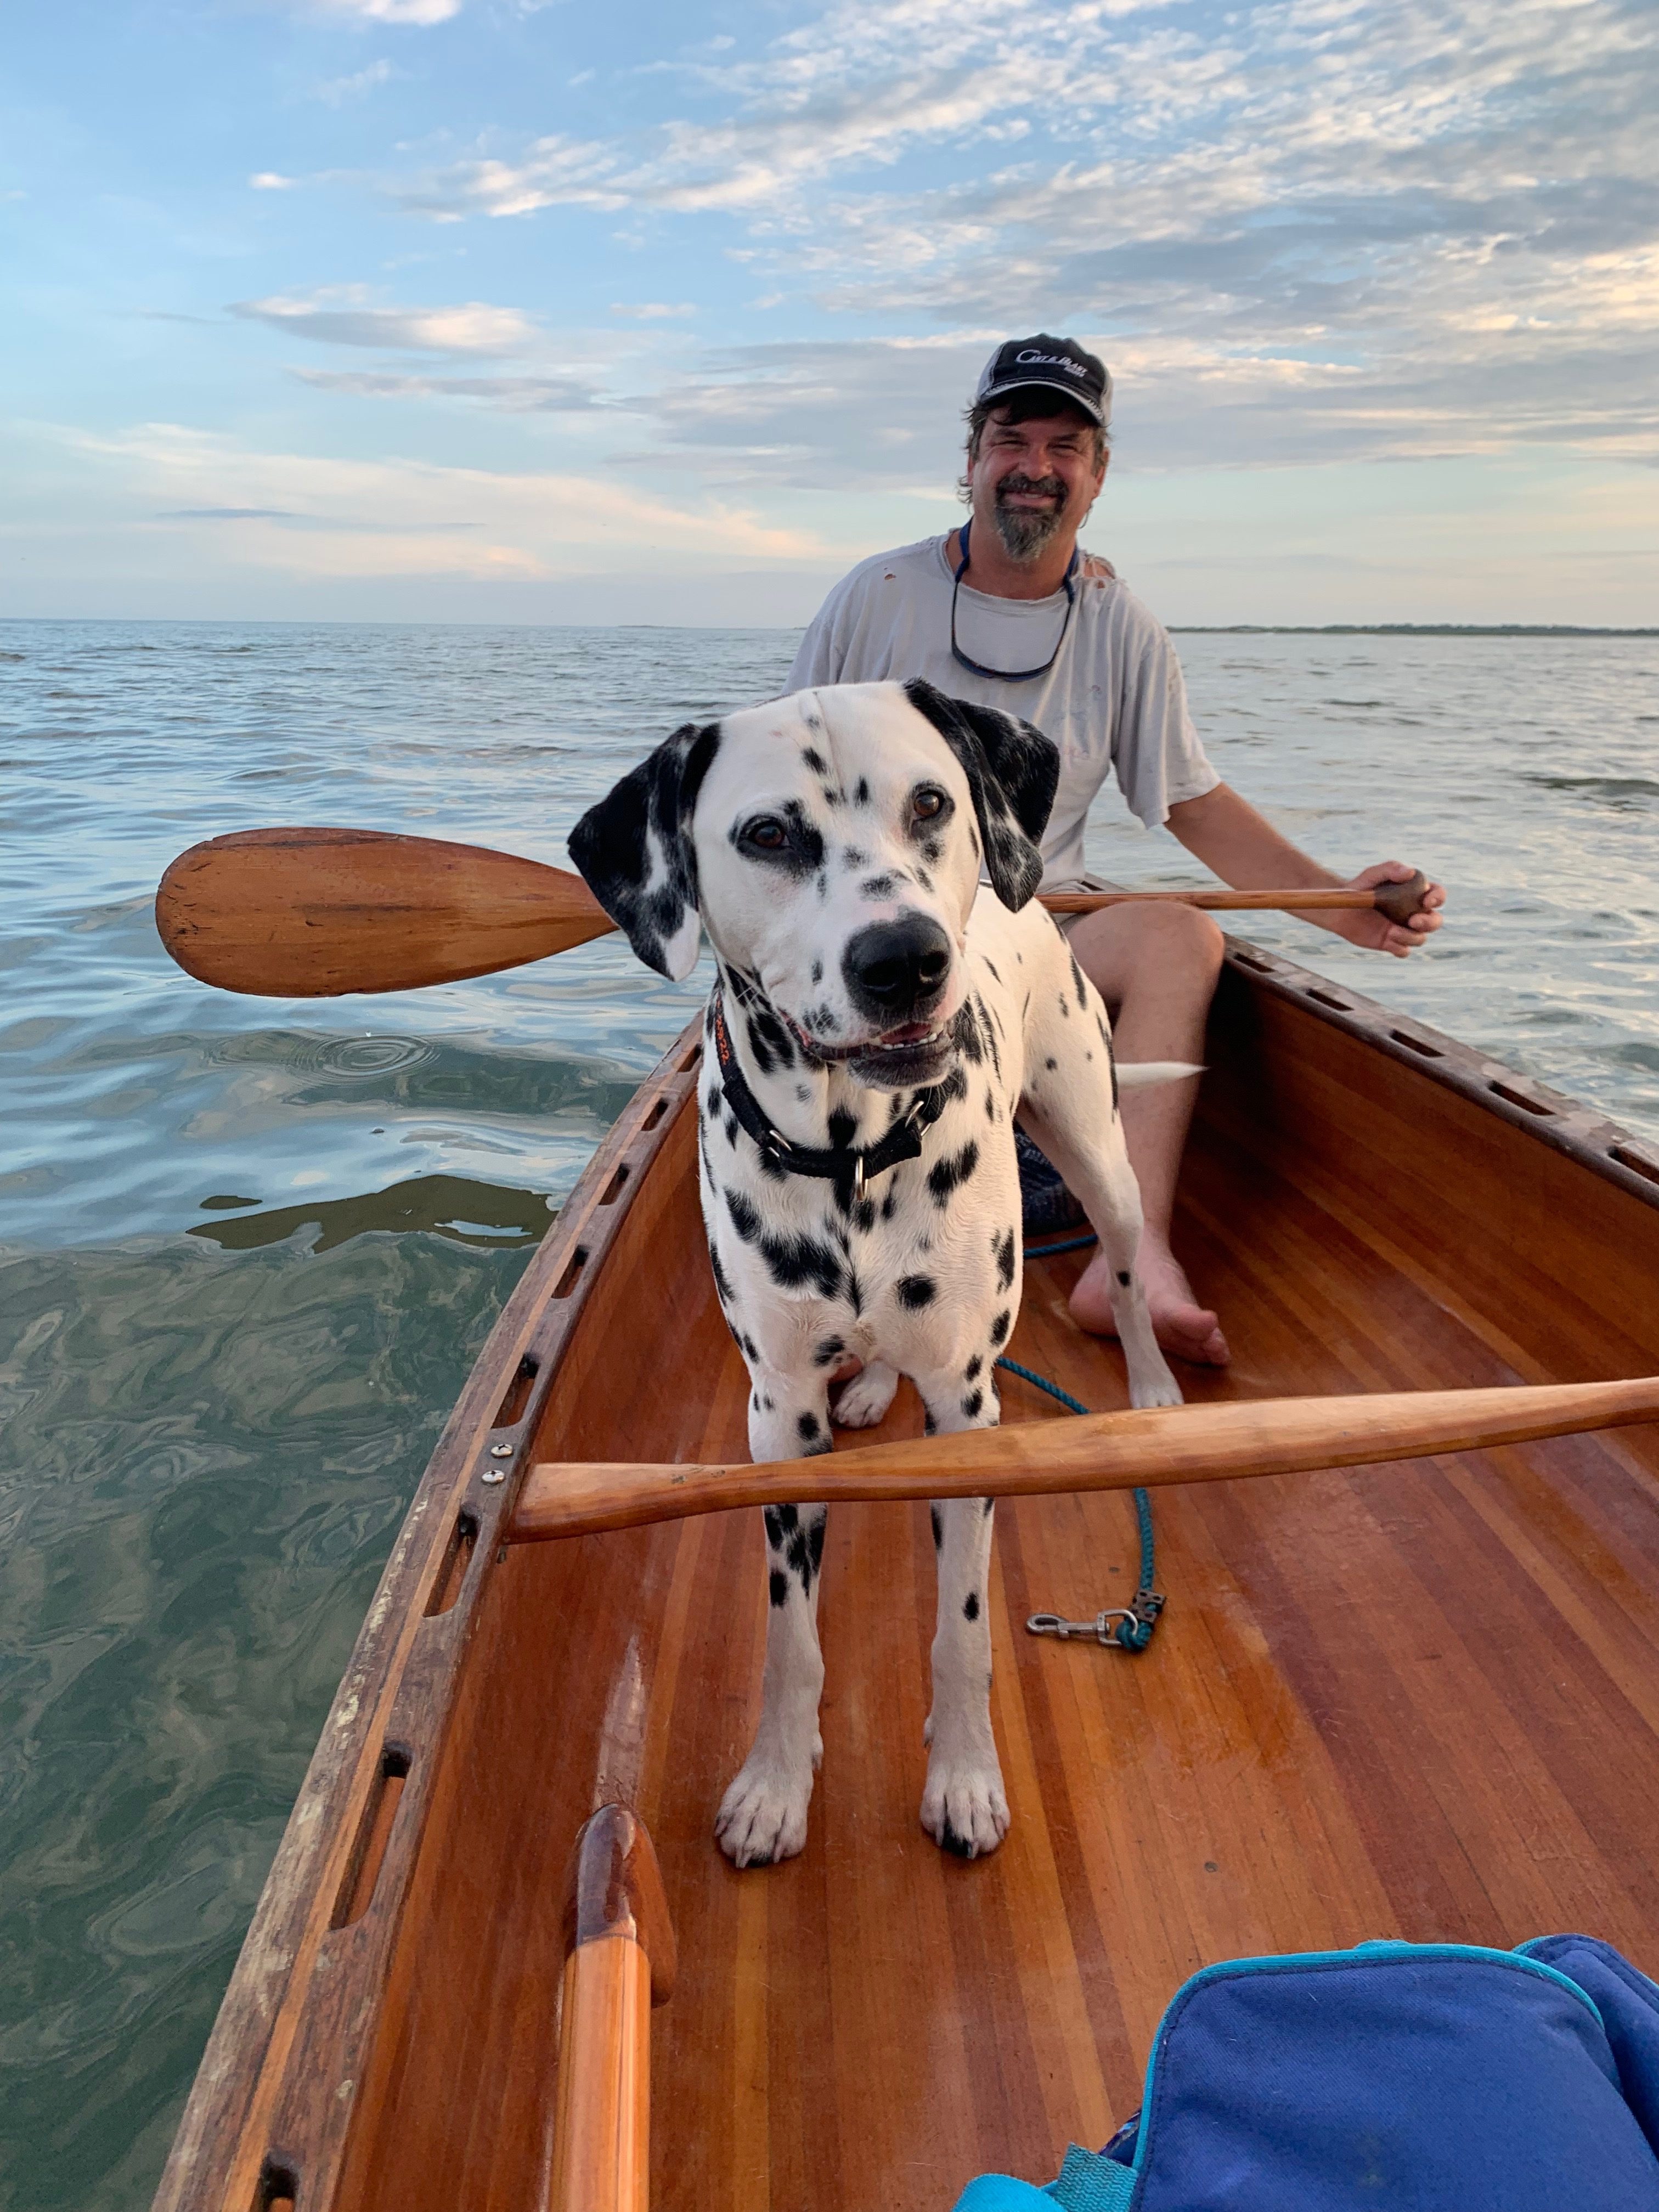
pixel 1418 1699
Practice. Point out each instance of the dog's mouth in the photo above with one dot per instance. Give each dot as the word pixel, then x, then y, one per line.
pixel 904 1042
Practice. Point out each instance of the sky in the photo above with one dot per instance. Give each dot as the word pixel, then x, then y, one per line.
pixel 549 311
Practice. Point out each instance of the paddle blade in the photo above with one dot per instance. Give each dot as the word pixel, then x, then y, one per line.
pixel 311 914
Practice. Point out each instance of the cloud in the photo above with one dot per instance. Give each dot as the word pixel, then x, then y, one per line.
pixel 1327 227
pixel 423 13
pixel 305 514
pixel 335 91
pixel 653 311
pixel 513 395
pixel 268 180
pixel 338 315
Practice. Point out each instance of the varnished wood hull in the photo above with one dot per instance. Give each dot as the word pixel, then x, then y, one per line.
pixel 1418 1700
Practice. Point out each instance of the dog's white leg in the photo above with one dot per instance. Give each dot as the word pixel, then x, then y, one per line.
pixel 964 1806
pixel 763 1816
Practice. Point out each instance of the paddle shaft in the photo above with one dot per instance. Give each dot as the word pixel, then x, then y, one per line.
pixel 1093 1451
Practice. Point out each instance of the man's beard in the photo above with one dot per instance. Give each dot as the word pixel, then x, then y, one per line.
pixel 1024 531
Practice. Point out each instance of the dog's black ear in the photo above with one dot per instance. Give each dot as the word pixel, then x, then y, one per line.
pixel 1012 770
pixel 635 850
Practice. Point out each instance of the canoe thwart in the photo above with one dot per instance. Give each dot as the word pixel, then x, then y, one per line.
pixel 614 1887
pixel 1091 1451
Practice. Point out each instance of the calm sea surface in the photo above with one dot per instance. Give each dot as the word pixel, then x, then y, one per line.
pixel 248 1248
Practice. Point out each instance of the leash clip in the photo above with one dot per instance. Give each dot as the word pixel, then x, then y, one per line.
pixel 1134 1633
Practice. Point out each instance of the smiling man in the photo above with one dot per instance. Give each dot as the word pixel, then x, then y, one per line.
pixel 1008 610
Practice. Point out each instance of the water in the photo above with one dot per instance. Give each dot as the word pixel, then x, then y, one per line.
pixel 248 1249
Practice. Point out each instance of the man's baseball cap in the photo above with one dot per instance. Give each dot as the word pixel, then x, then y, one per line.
pixel 1059 364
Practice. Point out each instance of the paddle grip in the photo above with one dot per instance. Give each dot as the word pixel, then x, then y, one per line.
pixel 1399 902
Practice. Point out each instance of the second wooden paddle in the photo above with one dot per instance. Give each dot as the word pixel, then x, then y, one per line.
pixel 315 912
pixel 1093 1451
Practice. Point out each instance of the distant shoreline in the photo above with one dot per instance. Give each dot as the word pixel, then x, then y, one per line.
pixel 1398 629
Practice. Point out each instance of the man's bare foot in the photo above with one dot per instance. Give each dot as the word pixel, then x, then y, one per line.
pixel 1182 1327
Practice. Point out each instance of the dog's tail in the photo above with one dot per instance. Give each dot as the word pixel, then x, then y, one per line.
pixel 1141 1074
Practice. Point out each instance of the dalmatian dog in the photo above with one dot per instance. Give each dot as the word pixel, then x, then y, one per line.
pixel 879 1019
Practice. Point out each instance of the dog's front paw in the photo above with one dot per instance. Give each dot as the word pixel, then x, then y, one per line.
pixel 1154 1385
pixel 860 1403
pixel 763 1816
pixel 963 1807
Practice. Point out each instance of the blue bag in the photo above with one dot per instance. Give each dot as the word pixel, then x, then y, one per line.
pixel 1422 2077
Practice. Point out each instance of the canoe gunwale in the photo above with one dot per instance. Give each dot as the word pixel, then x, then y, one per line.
pixel 267 2098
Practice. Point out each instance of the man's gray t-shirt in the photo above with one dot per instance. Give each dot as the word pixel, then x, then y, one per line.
pixel 1113 698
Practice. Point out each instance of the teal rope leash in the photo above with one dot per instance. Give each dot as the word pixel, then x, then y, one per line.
pixel 1130 1627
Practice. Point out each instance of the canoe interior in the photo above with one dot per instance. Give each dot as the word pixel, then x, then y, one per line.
pixel 1416 1701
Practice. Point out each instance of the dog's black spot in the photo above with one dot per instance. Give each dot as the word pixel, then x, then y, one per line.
pixel 826 1354
pixel 990 1107
pixel 1051 1065
pixel 806 1427
pixel 938 1527
pixel 971 1405
pixel 990 1505
pixel 772 1167
pixel 751 1349
pixel 777 1586
pixel 992 965
pixel 780 1522
pixel 970 1606
pixel 817 972
pixel 731 1131
pixel 767 1403
pixel 1123 1279
pixel 1003 1247
pixel 723 1281
pixel 973 843
pixel 831 796
pixel 964 1033
pixel 802 1095
pixel 973 1370
pixel 861 792
pixel 876 887
pixel 929 1425
pixel 958 1846
pixel 932 850
pixel 823 884
pixel 999 1328
pixel 843 1128
pixel 852 858
pixel 924 880
pixel 764 1025
pixel 889 1204
pixel 815 760
pixel 790 1260
pixel 915 1292
pixel 815 1543
pixel 854 1293
pixel 754 1403
pixel 819 1019
pixel 1078 985
pixel 1065 1005
pixel 948 1175
pixel 864 1216
pixel 954 1087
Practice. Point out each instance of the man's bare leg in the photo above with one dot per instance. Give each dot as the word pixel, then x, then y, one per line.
pixel 1156 966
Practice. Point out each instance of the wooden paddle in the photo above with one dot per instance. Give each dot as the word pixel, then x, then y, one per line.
pixel 1093 1451
pixel 311 914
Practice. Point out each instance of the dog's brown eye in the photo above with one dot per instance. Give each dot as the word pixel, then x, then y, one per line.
pixel 928 802
pixel 767 833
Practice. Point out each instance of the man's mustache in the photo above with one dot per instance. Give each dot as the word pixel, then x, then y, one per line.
pixel 1054 486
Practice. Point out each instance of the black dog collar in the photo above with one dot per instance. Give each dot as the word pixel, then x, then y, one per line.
pixel 848 1166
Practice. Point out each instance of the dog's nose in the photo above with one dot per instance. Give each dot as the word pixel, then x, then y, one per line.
pixel 893 969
